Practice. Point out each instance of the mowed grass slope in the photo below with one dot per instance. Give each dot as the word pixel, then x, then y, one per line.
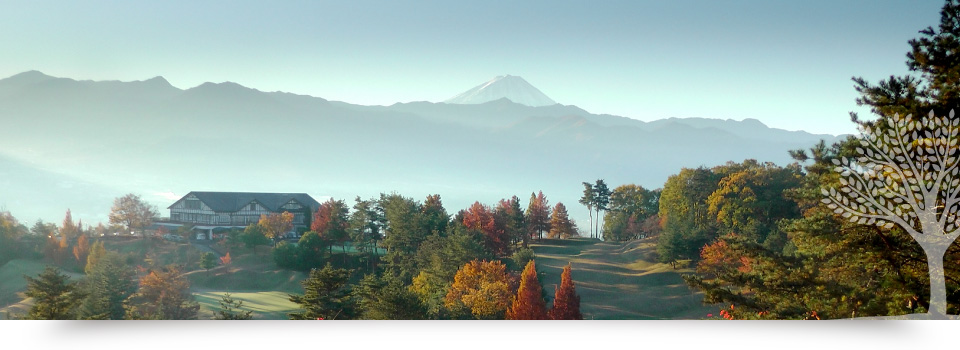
pixel 265 305
pixel 620 280
pixel 251 278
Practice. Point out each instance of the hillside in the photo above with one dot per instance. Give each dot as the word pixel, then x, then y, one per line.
pixel 620 280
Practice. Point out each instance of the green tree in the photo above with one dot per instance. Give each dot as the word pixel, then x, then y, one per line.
pixel 97 252
pixel 253 236
pixel 326 296
pixel 365 228
pixel 232 309
pixel 404 232
pixel 388 298
pixel 208 261
pixel 310 251
pixel 601 200
pixel 588 199
pixel 684 216
pixel 522 256
pixel 751 202
pixel 435 217
pixel 287 256
pixel 10 233
pixel 109 282
pixel 515 223
pixel 54 297
pixel 630 205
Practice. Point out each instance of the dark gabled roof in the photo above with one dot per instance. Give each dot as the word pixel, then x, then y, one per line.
pixel 233 201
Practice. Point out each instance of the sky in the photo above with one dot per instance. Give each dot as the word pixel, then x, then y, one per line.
pixel 786 63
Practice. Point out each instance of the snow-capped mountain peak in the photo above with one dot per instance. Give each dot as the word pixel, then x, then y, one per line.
pixel 511 87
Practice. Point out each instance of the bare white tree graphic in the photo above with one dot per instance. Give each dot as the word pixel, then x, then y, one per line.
pixel 906 175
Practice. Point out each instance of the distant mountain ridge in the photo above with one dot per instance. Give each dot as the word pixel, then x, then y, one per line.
pixel 150 137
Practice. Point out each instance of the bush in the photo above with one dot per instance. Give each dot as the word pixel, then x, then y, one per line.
pixel 522 256
pixel 285 255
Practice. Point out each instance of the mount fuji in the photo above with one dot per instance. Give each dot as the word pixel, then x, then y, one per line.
pixel 511 87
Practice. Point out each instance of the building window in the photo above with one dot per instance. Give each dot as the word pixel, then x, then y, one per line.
pixel 192 204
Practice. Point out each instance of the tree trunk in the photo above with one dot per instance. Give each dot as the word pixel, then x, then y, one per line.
pixel 938 289
pixel 591 221
pixel 597 224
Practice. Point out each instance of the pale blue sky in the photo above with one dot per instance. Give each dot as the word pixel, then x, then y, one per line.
pixel 786 63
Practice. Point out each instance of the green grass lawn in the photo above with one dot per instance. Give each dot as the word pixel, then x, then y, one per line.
pixel 271 305
pixel 620 280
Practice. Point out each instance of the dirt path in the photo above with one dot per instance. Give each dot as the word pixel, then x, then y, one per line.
pixel 620 281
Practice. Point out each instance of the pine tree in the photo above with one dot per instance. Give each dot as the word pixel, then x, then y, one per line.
pixel 54 297
pixel 387 298
pixel 566 303
pixel 601 200
pixel 97 251
pixel 108 284
pixel 326 296
pixel 208 261
pixel 560 224
pixel 232 309
pixel 82 250
pixel 538 215
pixel 529 303
pixel 509 218
pixel 589 197
pixel 68 229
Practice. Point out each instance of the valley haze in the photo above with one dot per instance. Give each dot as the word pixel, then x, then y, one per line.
pixel 79 144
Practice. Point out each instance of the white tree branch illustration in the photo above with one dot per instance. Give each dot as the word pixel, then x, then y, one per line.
pixel 906 174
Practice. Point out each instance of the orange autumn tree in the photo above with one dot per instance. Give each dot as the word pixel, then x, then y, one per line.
pixel 560 224
pixel 276 225
pixel 226 259
pixel 566 303
pixel 483 288
pixel 331 221
pixel 82 250
pixel 529 303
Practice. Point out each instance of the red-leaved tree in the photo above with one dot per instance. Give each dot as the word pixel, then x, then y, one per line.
pixel 566 303
pixel 480 217
pixel 529 304
pixel 331 222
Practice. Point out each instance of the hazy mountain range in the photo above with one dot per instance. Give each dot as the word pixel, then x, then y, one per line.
pixel 78 144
